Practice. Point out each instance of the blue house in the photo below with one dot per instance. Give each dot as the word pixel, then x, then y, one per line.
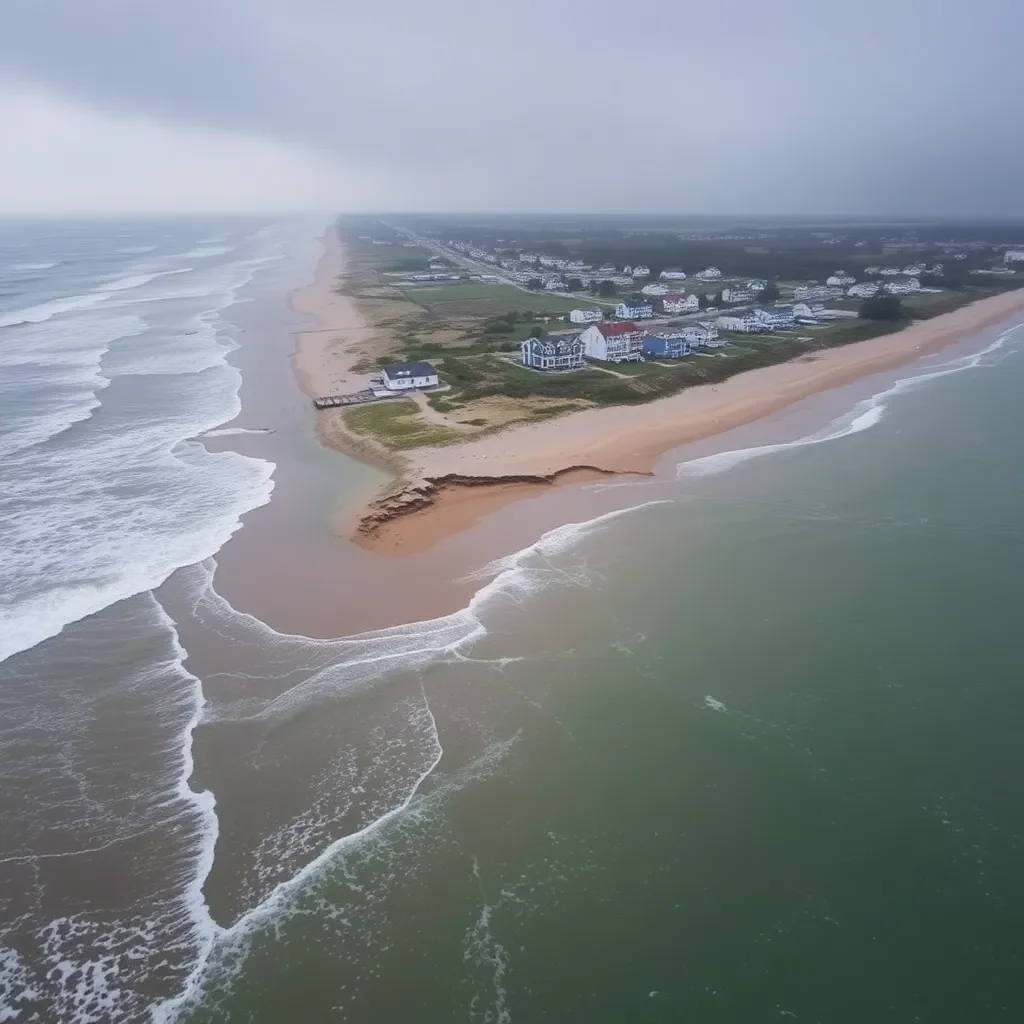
pixel 667 346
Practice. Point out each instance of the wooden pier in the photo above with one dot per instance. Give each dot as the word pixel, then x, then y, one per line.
pixel 356 398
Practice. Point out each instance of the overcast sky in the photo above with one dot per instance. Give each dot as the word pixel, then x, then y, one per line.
pixel 901 107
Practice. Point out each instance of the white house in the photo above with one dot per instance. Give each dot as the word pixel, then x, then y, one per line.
pixel 758 284
pixel 613 342
pixel 890 271
pixel 585 316
pixel 674 303
pixel 802 311
pixel 672 274
pixel 737 296
pixel 840 279
pixel 702 335
pixel 742 320
pixel 911 284
pixel 554 284
pixel 914 269
pixel 561 352
pixel 805 293
pixel 709 274
pixel 653 289
pixel 776 317
pixel 870 271
pixel 628 270
pixel 867 290
pixel 1014 256
pixel 641 271
pixel 634 310
pixel 403 376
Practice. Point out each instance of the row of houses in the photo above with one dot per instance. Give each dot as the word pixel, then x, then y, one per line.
pixel 616 342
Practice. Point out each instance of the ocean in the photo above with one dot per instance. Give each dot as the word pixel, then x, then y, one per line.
pixel 745 747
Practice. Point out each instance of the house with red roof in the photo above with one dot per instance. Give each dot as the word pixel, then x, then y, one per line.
pixel 614 342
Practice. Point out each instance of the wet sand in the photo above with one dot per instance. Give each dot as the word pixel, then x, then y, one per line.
pixel 620 439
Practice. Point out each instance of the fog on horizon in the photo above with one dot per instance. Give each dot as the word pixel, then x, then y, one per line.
pixel 902 108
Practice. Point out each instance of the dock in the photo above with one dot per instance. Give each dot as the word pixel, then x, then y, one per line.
pixel 356 398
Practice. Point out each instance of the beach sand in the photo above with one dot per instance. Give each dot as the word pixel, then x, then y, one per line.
pixel 440 491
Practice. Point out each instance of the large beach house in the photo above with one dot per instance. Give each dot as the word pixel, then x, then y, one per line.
pixel 553 352
pixel 668 345
pixel 675 303
pixel 585 316
pixel 404 376
pixel 614 342
pixel 634 309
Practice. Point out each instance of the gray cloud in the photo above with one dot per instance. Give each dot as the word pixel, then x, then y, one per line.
pixel 733 106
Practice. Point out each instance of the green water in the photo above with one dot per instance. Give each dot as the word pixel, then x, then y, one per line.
pixel 760 760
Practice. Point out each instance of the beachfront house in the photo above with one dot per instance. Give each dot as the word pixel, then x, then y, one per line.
pixel 585 316
pixel 867 290
pixel 653 290
pixel 743 321
pixel 1013 256
pixel 672 274
pixel 812 292
pixel 614 342
pixel 776 317
pixel 803 313
pixel 737 296
pixel 640 271
pixel 667 345
pixel 911 284
pixel 674 304
pixel 634 309
pixel 405 376
pixel 709 274
pixel 702 335
pixel 840 279
pixel 757 284
pixel 553 352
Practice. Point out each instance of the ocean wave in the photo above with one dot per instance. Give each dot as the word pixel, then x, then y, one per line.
pixel 34 266
pixel 863 416
pixel 205 251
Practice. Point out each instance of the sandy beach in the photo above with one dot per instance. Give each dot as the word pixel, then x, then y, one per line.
pixel 440 491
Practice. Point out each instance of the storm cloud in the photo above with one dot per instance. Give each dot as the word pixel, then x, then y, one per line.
pixel 734 106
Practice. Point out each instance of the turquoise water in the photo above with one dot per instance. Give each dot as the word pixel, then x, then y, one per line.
pixel 750 755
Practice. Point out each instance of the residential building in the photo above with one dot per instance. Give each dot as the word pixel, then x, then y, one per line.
pixel 1014 256
pixel 757 285
pixel 743 320
pixel 776 317
pixel 641 271
pixel 613 342
pixel 867 290
pixel 653 289
pixel 872 271
pixel 553 352
pixel 802 311
pixel 737 296
pixel 911 284
pixel 672 274
pixel 403 376
pixel 840 279
pixel 890 271
pixel 808 293
pixel 914 270
pixel 554 284
pixel 702 335
pixel 672 345
pixel 634 309
pixel 709 274
pixel 585 316
pixel 674 303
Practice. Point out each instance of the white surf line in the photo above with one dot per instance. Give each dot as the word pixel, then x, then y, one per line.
pixel 865 414
pixel 166 1012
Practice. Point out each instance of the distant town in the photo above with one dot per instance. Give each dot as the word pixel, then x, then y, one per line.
pixel 610 311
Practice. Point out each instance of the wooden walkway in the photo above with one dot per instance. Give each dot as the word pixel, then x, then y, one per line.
pixel 357 398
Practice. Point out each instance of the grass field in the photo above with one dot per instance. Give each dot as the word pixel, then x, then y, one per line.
pixel 485 300
pixel 397 424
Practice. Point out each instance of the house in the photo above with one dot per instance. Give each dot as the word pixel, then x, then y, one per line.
pixel 840 279
pixel 1014 256
pixel 802 311
pixel 914 270
pixel 872 271
pixel 867 290
pixel 403 376
pixel 672 345
pixel 553 352
pixel 613 342
pixel 890 271
pixel 653 289
pixel 702 335
pixel 911 284
pixel 641 271
pixel 776 317
pixel 627 270
pixel 742 320
pixel 709 274
pixel 672 274
pixel 757 285
pixel 673 303
pixel 554 284
pixel 806 293
pixel 737 296
pixel 631 309
pixel 585 316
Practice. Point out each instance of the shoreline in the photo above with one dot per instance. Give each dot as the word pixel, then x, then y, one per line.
pixel 438 492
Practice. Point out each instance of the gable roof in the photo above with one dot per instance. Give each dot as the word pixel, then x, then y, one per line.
pixel 409 370
pixel 610 329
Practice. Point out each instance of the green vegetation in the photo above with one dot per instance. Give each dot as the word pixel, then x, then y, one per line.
pixel 484 300
pixel 397 424
pixel 882 307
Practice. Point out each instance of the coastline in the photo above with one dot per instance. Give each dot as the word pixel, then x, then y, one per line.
pixel 440 491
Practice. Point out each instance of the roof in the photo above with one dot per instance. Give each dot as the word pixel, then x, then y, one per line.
pixel 410 370
pixel 672 297
pixel 610 330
